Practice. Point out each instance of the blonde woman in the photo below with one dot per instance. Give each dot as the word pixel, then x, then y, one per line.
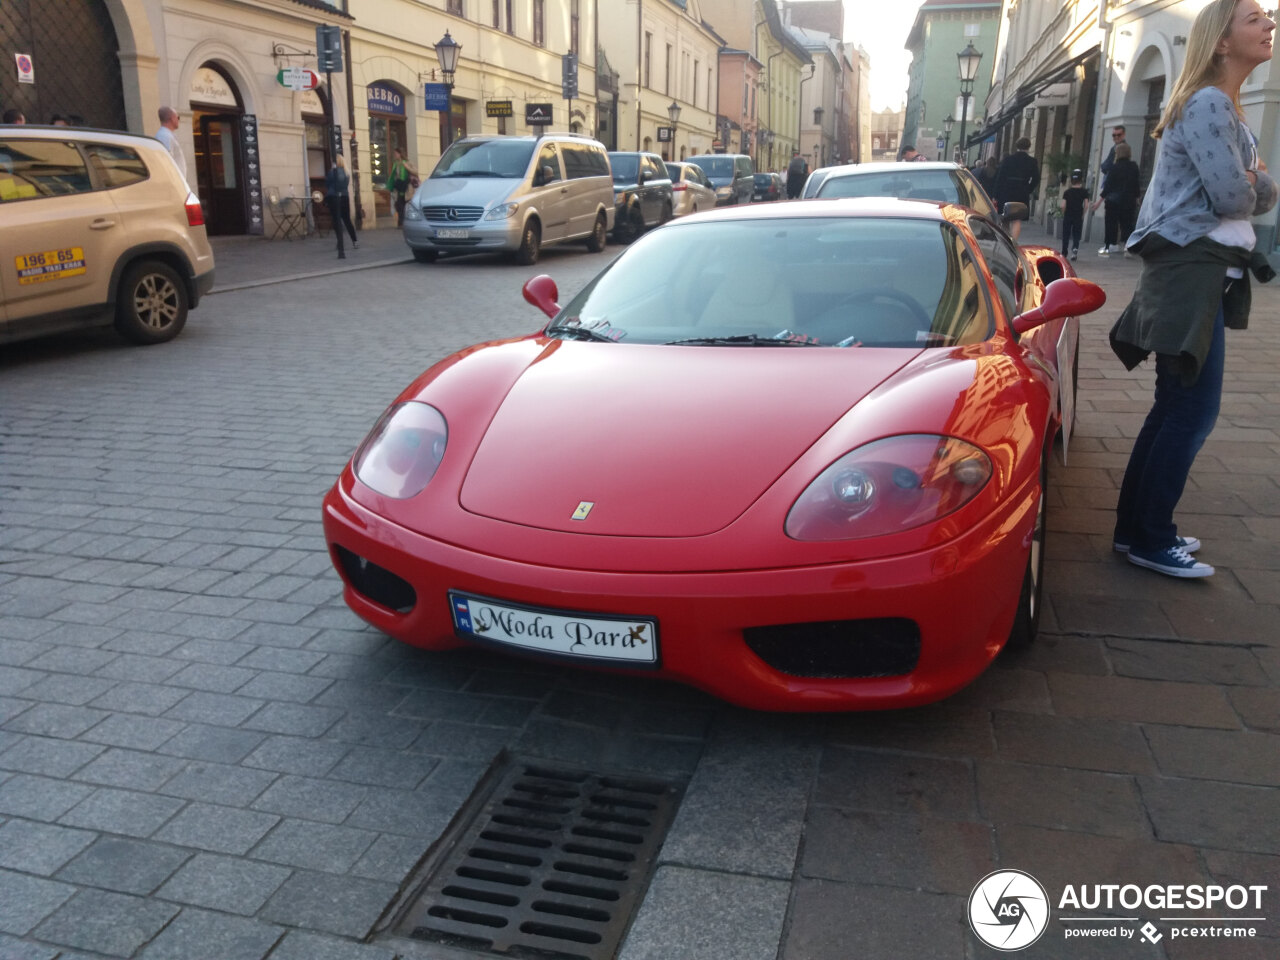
pixel 1196 242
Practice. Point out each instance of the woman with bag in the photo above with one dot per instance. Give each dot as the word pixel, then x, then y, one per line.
pixel 337 195
pixel 1196 242
pixel 1120 189
pixel 401 177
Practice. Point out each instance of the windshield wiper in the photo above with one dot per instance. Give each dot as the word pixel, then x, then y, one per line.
pixel 741 340
pixel 575 332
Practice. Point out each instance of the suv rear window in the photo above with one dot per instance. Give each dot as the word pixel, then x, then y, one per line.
pixel 116 166
pixel 40 168
pixel 715 166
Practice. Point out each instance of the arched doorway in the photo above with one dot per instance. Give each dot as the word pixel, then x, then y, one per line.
pixel 216 111
pixel 387 132
pixel 73 46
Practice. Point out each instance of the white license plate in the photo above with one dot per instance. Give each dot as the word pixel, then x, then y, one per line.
pixel 630 640
pixel 447 234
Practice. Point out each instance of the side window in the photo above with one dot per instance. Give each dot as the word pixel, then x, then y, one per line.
pixel 1003 262
pixel 575 161
pixel 600 160
pixel 41 168
pixel 656 170
pixel 116 166
pixel 547 160
pixel 971 194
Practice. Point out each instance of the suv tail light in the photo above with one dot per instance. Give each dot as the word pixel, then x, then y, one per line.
pixel 679 186
pixel 195 212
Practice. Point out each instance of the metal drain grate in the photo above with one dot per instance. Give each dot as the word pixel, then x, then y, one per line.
pixel 552 866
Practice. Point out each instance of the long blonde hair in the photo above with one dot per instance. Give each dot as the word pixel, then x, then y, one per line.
pixel 1203 66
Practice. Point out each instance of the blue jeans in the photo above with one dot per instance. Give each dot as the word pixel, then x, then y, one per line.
pixel 1176 428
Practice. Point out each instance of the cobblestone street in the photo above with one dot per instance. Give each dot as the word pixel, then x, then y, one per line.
pixel 204 754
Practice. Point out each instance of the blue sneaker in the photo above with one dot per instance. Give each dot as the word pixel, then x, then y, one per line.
pixel 1171 561
pixel 1189 544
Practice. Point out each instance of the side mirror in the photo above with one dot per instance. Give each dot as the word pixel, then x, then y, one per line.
pixel 1016 211
pixel 541 291
pixel 643 178
pixel 1068 297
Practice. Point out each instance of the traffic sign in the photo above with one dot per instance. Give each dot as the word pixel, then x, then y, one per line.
pixel 329 47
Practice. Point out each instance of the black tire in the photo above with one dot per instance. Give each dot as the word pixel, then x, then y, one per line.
pixel 1026 623
pixel 596 242
pixel 530 244
pixel 426 256
pixel 151 303
pixel 629 227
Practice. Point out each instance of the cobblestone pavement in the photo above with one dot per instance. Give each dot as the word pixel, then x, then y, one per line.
pixel 203 754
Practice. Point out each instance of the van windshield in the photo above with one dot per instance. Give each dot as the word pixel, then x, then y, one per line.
pixel 715 166
pixel 508 159
pixel 625 168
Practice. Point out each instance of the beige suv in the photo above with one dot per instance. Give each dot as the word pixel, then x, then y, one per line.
pixel 96 227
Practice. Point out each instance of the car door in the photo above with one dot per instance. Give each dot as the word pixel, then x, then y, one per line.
pixel 553 194
pixel 654 191
pixel 58 234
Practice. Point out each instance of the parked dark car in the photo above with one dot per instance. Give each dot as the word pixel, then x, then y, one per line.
pixel 732 174
pixel 768 186
pixel 642 193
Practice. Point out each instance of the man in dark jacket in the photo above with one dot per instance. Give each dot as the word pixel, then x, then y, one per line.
pixel 797 173
pixel 1016 181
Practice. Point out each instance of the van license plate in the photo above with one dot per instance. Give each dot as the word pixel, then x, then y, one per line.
pixel 452 234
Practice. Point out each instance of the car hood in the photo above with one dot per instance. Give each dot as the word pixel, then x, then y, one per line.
pixel 465 191
pixel 661 441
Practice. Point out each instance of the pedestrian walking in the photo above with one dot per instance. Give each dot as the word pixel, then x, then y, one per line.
pixel 986 175
pixel 338 197
pixel 1117 138
pixel 401 177
pixel 1196 242
pixel 169 122
pixel 1120 189
pixel 1072 206
pixel 1017 178
pixel 797 173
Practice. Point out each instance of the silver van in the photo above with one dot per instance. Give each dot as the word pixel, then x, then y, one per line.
pixel 496 194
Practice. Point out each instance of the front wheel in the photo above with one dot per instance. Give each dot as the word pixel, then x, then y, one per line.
pixel 628 227
pixel 596 242
pixel 530 244
pixel 151 304
pixel 1026 623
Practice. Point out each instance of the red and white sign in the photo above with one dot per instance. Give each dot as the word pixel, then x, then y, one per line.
pixel 26 69
pixel 298 78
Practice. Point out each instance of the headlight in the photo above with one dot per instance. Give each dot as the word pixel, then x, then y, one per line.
pixel 889 486
pixel 620 196
pixel 413 212
pixel 401 453
pixel 503 211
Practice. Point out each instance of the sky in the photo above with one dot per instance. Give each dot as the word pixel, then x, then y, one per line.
pixel 881 28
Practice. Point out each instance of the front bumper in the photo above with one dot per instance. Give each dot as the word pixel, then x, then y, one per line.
pixel 962 596
pixel 483 236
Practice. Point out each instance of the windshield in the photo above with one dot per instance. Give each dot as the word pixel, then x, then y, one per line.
pixel 819 281
pixel 624 167
pixel 715 166
pixel 508 159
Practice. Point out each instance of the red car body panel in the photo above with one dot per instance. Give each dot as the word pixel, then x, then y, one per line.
pixel 694 456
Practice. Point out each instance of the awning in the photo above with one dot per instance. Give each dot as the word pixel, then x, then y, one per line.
pixel 1028 92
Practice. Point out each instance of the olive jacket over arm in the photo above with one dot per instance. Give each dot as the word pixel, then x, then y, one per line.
pixel 1177 298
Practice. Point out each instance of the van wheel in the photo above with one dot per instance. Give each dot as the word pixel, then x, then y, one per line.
pixel 529 244
pixel 151 304
pixel 596 242
pixel 425 256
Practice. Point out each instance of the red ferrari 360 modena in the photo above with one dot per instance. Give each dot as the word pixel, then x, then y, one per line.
pixel 792 454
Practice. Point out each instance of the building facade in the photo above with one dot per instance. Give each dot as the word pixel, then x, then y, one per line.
pixel 941 30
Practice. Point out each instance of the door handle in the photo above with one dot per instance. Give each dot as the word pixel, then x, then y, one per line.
pixel 101 224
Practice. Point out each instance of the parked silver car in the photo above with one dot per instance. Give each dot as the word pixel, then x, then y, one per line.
pixel 948 182
pixel 693 191
pixel 494 194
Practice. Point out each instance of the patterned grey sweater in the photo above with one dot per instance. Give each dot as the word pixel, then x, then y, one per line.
pixel 1200 173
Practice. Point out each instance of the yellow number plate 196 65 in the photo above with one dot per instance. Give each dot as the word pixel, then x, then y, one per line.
pixel 50 265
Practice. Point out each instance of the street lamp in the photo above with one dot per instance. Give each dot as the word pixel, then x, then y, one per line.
pixel 947 124
pixel 673 112
pixel 447 50
pixel 968 59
